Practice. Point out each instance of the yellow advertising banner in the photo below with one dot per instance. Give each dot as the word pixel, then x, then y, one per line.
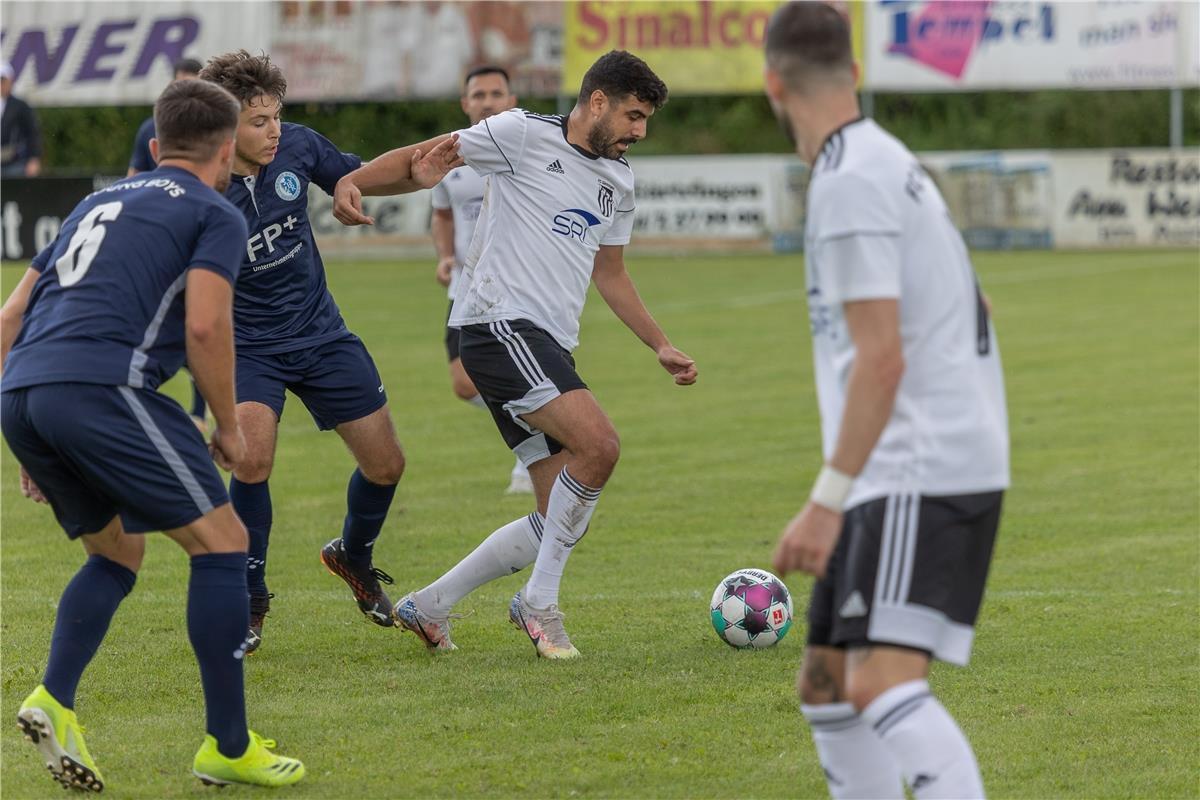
pixel 695 46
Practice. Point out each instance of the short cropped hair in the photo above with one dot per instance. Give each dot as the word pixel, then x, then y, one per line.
pixel 619 74
pixel 245 76
pixel 192 119
pixel 805 39
pixel 486 69
pixel 188 66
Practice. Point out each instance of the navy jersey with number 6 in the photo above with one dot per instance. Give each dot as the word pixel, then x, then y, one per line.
pixel 282 303
pixel 108 307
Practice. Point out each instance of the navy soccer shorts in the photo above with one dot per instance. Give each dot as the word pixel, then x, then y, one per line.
pixel 337 381
pixel 99 451
pixel 518 368
pixel 908 570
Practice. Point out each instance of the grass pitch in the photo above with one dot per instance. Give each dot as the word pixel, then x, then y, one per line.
pixel 1085 672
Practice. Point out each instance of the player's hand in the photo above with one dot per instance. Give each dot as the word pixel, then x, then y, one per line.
pixel 808 541
pixel 428 169
pixel 227 447
pixel 678 364
pixel 444 268
pixel 30 489
pixel 347 204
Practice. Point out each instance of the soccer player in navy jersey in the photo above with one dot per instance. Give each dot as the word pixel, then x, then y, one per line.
pixel 140 277
pixel 290 334
pixel 140 160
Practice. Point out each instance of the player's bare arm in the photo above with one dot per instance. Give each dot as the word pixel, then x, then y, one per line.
pixel 616 287
pixel 399 171
pixel 809 539
pixel 209 333
pixel 442 228
pixel 13 312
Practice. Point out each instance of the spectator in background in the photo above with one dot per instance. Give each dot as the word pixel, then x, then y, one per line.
pixel 20 137
pixel 140 159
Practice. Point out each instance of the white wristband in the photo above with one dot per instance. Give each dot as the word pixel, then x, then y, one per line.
pixel 831 489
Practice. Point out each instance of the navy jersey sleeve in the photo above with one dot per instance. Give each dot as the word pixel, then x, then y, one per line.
pixel 42 259
pixel 140 159
pixel 222 241
pixel 328 163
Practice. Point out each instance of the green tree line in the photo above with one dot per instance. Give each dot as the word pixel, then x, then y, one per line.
pixel 98 139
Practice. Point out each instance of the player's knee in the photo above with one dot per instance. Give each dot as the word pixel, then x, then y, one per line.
pixel 386 471
pixel 463 389
pixel 254 468
pixel 605 452
pixel 820 679
pixel 862 689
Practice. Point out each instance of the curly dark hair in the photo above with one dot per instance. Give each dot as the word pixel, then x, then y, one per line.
pixel 245 76
pixel 619 74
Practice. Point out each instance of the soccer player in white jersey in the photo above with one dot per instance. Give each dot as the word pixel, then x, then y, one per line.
pixel 900 523
pixel 557 214
pixel 456 203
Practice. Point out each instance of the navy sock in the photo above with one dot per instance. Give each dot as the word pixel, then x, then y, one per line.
pixel 86 608
pixel 199 409
pixel 366 508
pixel 218 615
pixel 252 502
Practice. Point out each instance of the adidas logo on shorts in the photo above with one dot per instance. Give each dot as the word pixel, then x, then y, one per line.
pixel 853 607
pixel 556 166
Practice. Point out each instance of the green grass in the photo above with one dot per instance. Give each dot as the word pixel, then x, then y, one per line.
pixel 1085 673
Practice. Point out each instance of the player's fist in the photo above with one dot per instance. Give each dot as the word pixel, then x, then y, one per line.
pixel 428 169
pixel 808 541
pixel 228 448
pixel 30 489
pixel 444 269
pixel 678 364
pixel 347 204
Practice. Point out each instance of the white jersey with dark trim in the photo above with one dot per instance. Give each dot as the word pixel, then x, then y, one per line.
pixel 877 229
pixel 548 207
pixel 460 193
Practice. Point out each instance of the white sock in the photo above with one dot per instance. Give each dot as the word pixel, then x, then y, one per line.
pixel 934 756
pixel 856 762
pixel 509 549
pixel 477 401
pixel 567 516
pixel 519 469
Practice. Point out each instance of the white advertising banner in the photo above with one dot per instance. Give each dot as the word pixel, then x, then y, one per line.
pixel 682 202
pixel 708 197
pixel 1127 198
pixel 966 45
pixel 118 53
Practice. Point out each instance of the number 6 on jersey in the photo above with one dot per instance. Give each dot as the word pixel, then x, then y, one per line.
pixel 74 263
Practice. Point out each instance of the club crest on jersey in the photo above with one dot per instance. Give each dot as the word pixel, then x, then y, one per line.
pixel 287 186
pixel 605 199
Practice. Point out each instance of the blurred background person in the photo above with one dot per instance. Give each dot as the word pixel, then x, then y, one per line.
pixel 20 137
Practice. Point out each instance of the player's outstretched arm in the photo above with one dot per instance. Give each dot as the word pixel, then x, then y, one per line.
pixel 209 334
pixel 399 171
pixel 13 313
pixel 616 287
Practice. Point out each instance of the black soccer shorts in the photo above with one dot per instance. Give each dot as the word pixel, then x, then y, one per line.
pixel 908 570
pixel 518 368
